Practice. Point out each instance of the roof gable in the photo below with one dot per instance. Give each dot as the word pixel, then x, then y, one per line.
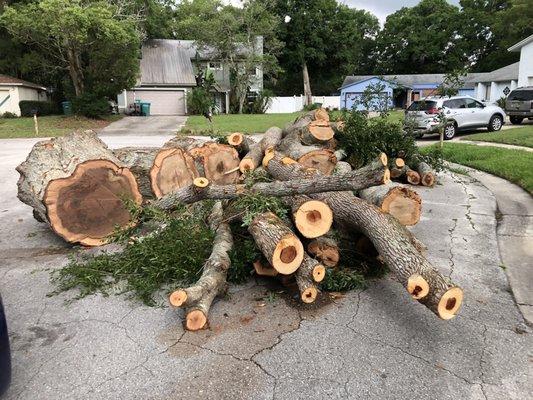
pixel 6 80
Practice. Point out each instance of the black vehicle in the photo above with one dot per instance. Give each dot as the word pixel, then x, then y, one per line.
pixel 519 104
pixel 5 354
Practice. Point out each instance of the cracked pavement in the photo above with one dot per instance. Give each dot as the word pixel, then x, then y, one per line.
pixel 370 344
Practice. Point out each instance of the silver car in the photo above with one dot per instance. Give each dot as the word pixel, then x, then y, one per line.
pixel 457 112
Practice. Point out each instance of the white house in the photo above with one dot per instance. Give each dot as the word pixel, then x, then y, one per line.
pixel 525 69
pixel 13 90
pixel 491 86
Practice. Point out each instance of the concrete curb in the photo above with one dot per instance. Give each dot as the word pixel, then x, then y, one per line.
pixel 515 236
pixel 491 144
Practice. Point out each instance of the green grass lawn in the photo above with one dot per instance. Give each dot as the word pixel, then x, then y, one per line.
pixel 252 123
pixel 517 136
pixel 50 125
pixel 513 165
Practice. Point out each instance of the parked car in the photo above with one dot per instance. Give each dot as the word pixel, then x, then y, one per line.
pixel 460 112
pixel 5 354
pixel 519 104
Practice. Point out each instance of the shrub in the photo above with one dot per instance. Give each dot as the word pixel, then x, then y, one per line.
pixel 261 102
pixel 8 114
pixel 90 105
pixel 364 138
pixel 199 101
pixel 27 107
pixel 501 102
pixel 312 106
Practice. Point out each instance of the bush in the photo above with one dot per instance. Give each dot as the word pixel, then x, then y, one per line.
pixel 90 105
pixel 8 114
pixel 312 106
pixel 199 101
pixel 27 107
pixel 260 103
pixel 364 138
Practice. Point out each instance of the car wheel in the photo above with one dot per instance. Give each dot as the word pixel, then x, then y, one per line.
pixel 449 131
pixel 516 120
pixel 495 123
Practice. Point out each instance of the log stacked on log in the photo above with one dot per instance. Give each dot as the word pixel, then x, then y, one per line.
pixel 64 175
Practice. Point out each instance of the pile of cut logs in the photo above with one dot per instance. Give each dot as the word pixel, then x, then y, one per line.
pixel 78 186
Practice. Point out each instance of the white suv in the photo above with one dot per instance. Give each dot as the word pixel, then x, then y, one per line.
pixel 461 112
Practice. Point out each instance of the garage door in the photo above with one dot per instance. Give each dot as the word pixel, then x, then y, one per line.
pixel 164 102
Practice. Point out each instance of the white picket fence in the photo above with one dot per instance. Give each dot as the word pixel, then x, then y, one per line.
pixel 291 104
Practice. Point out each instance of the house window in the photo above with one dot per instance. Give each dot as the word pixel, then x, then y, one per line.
pixel 216 66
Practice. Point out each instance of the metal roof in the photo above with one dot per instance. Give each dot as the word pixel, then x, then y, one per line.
pixel 6 80
pixel 166 63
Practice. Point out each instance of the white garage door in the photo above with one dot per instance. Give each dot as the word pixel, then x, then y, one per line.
pixel 164 102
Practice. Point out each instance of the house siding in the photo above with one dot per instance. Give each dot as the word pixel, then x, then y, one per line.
pixel 350 93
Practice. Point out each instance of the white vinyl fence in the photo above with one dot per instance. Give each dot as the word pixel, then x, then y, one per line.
pixel 291 104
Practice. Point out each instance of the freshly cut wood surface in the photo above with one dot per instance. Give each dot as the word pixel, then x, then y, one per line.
pixel 312 218
pixel 411 176
pixel 220 162
pixel 78 186
pixel 198 298
pixel 253 158
pixel 280 246
pixel 427 174
pixel 325 249
pixel 399 201
pixel 306 278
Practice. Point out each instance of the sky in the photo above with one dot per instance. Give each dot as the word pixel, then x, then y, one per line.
pixel 382 8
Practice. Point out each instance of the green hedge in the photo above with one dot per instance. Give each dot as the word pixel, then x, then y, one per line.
pixel 43 108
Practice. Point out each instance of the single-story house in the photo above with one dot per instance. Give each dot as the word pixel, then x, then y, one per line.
pixel 169 69
pixel 14 90
pixel 401 90
pixel 491 86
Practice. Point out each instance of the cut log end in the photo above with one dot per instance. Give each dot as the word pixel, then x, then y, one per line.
pixel 246 165
pixel 173 168
pixel 309 295
pixel 235 139
pixel 399 163
pixel 428 180
pixel 201 182
pixel 417 286
pixel 313 218
pixel 413 177
pixel 196 320
pixel 322 160
pixel 288 255
pixel 262 270
pixel 319 273
pixel 321 130
pixel 404 204
pixel 87 206
pixel 384 159
pixel 178 297
pixel 325 251
pixel 450 303
pixel 321 115
pixel 269 155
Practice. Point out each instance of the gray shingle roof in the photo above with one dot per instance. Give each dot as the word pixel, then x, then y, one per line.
pixel 510 72
pixel 6 80
pixel 166 63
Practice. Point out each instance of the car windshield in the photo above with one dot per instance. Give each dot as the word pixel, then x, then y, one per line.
pixel 521 95
pixel 422 105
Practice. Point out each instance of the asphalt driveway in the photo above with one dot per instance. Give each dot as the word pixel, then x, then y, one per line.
pixel 146 126
pixel 370 344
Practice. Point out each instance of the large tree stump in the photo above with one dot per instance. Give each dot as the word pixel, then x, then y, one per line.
pixel 255 155
pixel 397 200
pixel 198 298
pixel 281 247
pixel 78 186
pixel 391 239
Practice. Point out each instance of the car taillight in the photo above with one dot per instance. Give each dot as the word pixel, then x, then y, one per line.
pixel 433 111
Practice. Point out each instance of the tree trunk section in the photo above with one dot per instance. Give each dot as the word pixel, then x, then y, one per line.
pixel 411 176
pixel 310 156
pixel 399 201
pixel 254 157
pixel 309 273
pixel 307 85
pixel 198 298
pixel 78 186
pixel 391 240
pixel 427 174
pixel 325 249
pixel 311 218
pixel 281 247
pixel 140 161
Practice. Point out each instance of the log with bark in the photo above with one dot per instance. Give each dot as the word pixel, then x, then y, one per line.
pixel 198 298
pixel 278 243
pixel 79 187
pixel 427 174
pixel 140 161
pixel 411 176
pixel 309 273
pixel 316 132
pixel 325 249
pixel 391 239
pixel 255 155
pixel 303 120
pixel 397 200
pixel 311 156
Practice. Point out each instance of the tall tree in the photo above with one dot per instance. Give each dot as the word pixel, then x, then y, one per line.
pixel 421 39
pixel 91 40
